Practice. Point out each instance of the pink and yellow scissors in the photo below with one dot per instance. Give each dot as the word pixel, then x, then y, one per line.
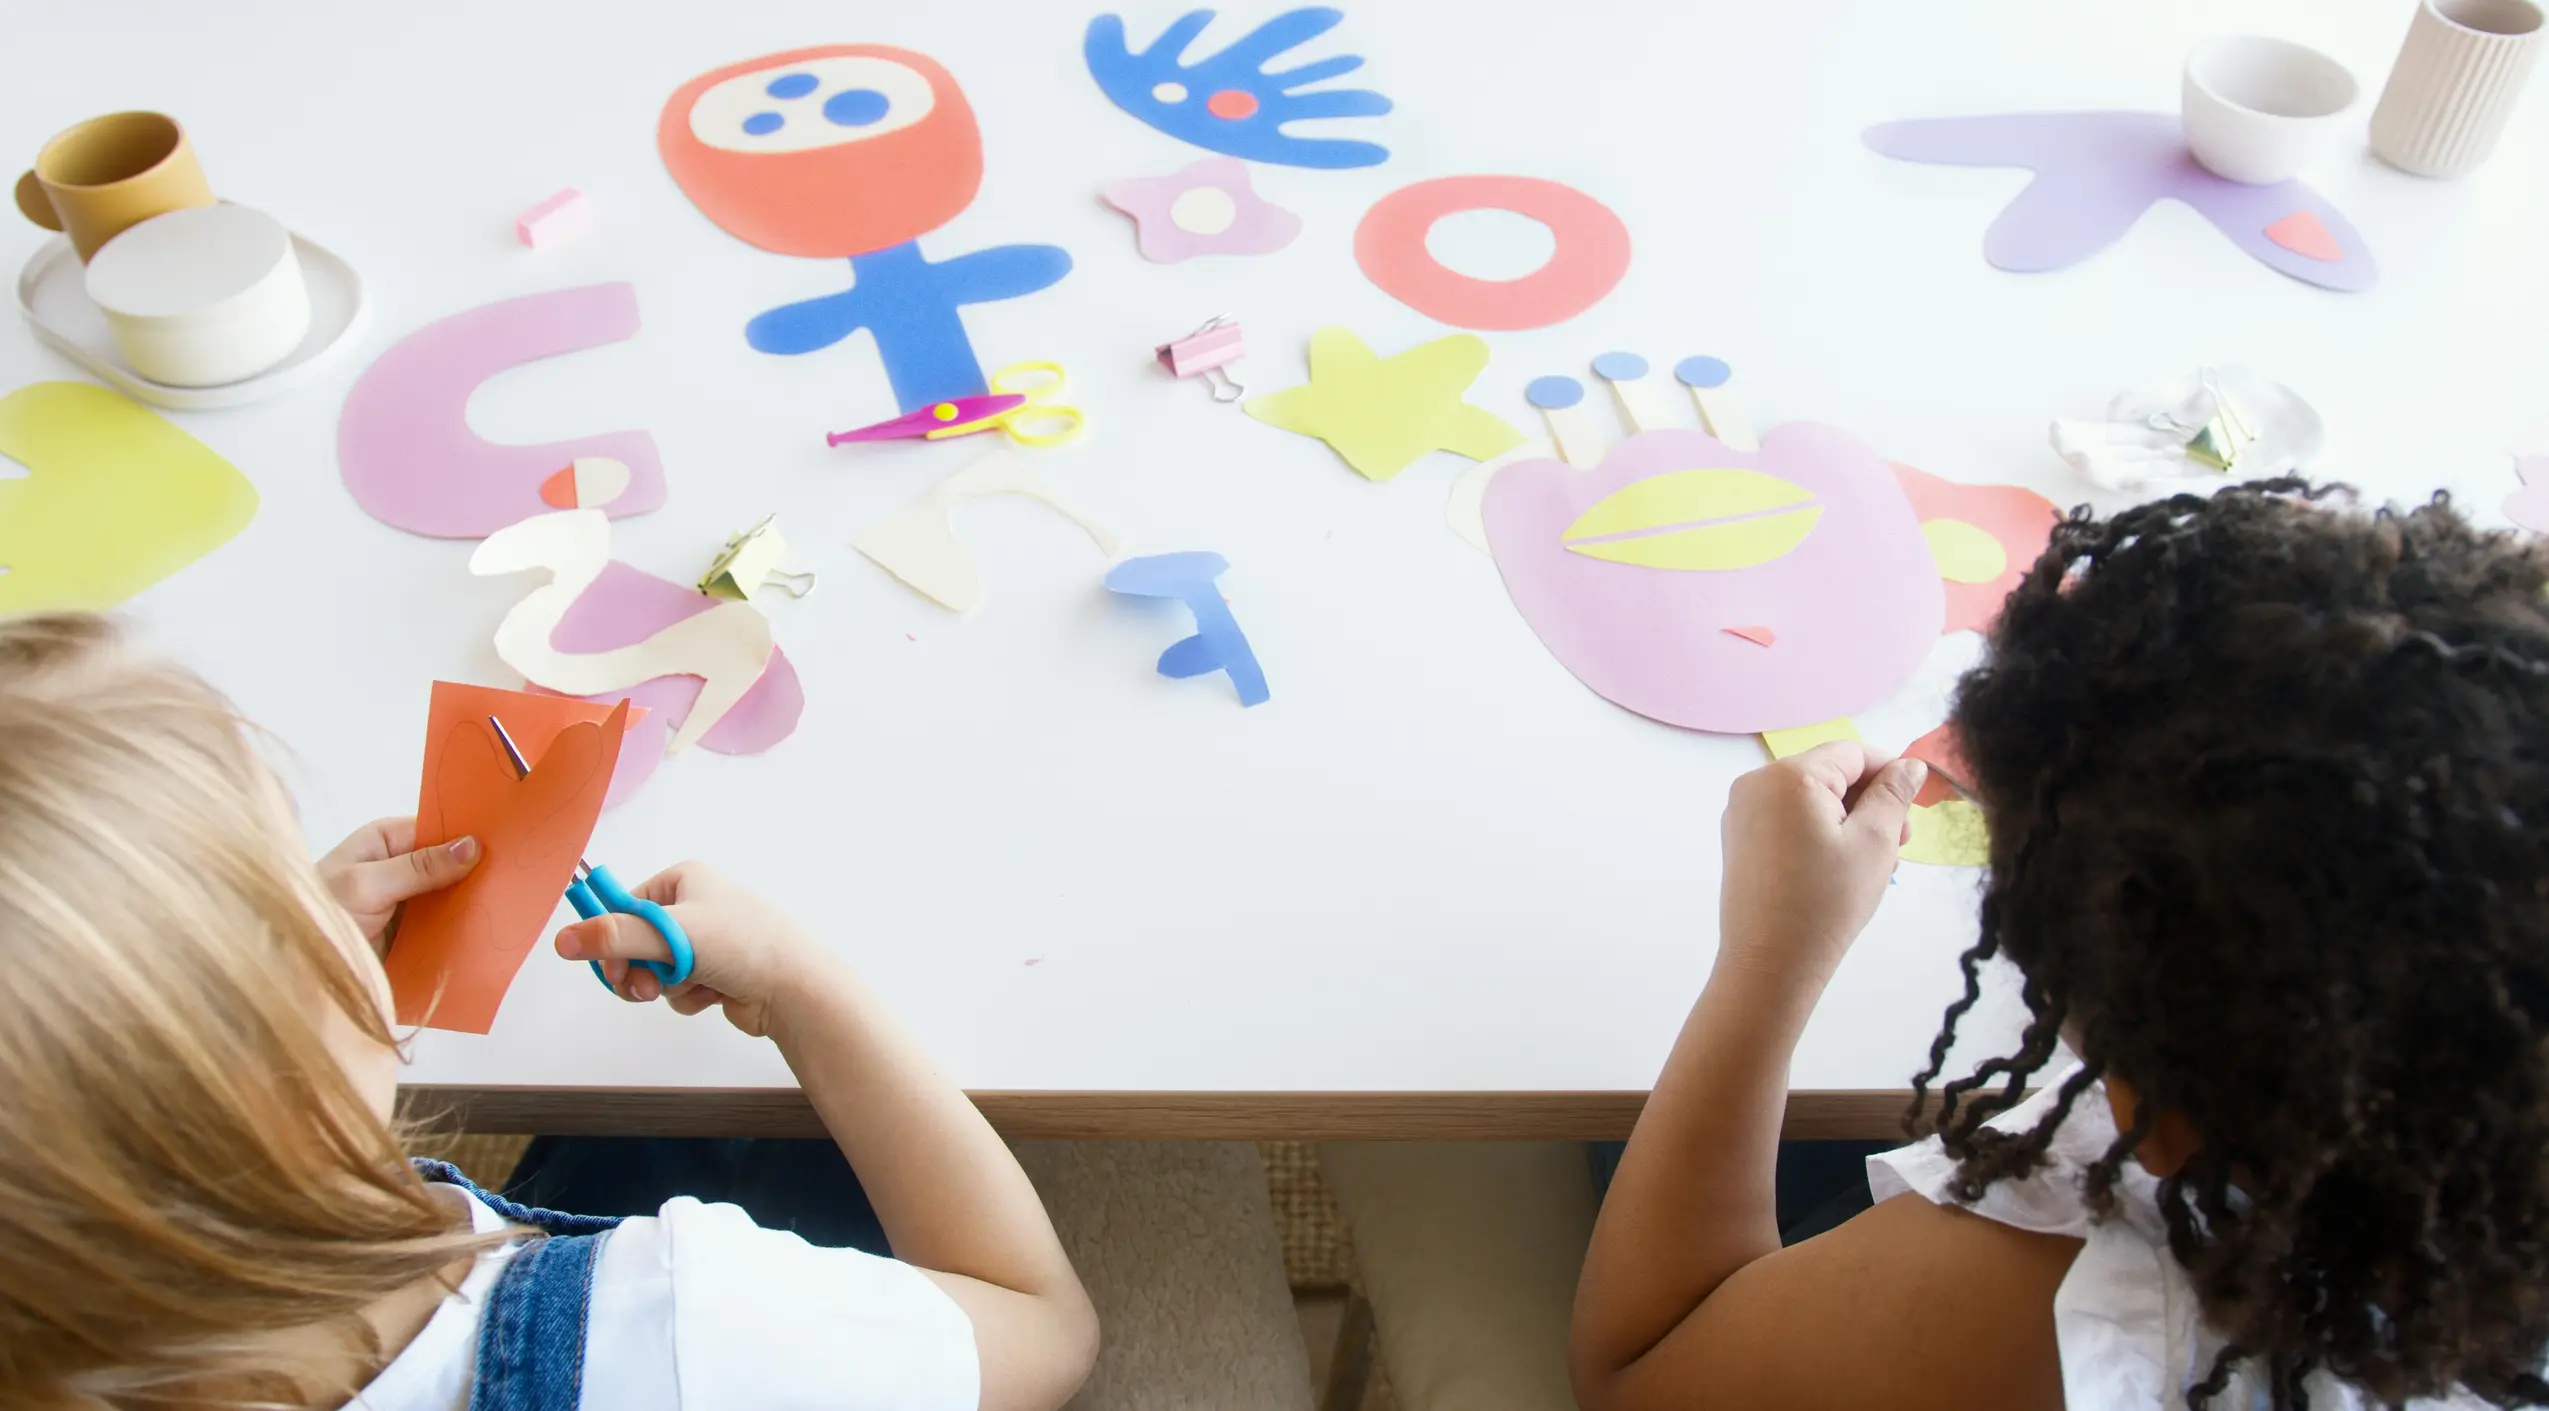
pixel 1020 403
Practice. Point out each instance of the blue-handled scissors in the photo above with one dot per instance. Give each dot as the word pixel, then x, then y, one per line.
pixel 594 892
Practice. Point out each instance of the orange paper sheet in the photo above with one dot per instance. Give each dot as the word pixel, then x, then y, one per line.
pixel 1948 772
pixel 456 951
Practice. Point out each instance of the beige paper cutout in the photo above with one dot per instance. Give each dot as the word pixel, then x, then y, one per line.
pixel 1579 437
pixel 727 646
pixel 1465 510
pixel 917 543
pixel 1643 404
pixel 1724 417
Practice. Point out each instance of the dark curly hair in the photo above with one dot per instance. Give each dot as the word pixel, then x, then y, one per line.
pixel 2267 777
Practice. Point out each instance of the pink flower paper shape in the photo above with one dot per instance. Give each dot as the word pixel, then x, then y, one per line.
pixel 1205 209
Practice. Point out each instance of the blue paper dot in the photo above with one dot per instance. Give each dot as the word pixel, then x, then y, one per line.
pixel 795 85
pixel 856 107
pixel 1551 393
pixel 1703 372
pixel 763 124
pixel 1620 367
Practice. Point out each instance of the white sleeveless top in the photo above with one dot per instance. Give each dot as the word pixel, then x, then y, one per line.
pixel 2131 1334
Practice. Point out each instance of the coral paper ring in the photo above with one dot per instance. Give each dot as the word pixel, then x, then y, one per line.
pixel 1592 252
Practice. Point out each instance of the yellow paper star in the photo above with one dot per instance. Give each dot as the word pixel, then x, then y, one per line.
pixel 1382 413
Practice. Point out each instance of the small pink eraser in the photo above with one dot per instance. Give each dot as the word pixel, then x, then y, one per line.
pixel 564 217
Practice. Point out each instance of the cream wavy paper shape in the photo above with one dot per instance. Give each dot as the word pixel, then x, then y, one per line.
pixel 727 646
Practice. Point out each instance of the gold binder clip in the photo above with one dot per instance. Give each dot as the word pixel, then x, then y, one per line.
pixel 750 560
pixel 2223 439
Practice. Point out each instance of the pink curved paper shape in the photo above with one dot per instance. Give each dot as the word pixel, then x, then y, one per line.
pixel 403 441
pixel 626 605
pixel 1852 609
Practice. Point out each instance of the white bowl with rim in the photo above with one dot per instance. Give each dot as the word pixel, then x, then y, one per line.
pixel 2260 110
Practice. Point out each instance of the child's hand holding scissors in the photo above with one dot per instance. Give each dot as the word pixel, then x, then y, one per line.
pixel 746 954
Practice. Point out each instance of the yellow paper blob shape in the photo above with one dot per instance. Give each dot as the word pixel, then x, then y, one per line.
pixel 1966 553
pixel 1783 743
pixel 1948 834
pixel 116 498
pixel 1686 497
pixel 1382 413
pixel 1734 519
pixel 1742 544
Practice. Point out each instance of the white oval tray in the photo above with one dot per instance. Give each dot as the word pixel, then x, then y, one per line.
pixel 53 299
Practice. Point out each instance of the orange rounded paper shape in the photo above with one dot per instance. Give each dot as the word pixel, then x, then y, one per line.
pixel 828 152
pixel 1592 252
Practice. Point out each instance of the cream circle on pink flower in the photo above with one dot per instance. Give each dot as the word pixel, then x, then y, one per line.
pixel 1203 210
pixel 1206 208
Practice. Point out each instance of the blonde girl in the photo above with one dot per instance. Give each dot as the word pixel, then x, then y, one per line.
pixel 203 1200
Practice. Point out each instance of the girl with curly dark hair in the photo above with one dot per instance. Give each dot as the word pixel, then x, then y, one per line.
pixel 2268 785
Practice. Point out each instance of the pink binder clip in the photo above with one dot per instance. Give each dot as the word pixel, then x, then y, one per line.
pixel 1205 353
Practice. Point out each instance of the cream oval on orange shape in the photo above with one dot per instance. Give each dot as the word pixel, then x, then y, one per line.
pixel 589 483
pixel 1697 521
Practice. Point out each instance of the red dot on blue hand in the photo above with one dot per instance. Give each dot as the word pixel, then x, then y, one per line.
pixel 1231 104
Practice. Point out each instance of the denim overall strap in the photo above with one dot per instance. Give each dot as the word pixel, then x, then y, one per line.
pixel 552 1222
pixel 531 1336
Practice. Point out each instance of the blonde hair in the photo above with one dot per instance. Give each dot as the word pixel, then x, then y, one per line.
pixel 185 1169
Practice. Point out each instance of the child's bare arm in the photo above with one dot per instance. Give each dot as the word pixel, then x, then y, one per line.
pixel 1687 1300
pixel 949 1194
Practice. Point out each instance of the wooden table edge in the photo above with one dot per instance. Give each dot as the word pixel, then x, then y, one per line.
pixel 1857 1114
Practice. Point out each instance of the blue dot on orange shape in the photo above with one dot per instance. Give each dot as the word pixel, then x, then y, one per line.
pixel 1232 104
pixel 856 107
pixel 763 124
pixel 795 85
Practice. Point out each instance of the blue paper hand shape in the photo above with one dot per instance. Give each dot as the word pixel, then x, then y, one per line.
pixel 912 305
pixel 1218 644
pixel 1228 103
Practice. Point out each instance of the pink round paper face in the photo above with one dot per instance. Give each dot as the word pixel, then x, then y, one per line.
pixel 1722 590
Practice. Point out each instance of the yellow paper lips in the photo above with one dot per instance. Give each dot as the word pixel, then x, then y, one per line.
pixel 1697 520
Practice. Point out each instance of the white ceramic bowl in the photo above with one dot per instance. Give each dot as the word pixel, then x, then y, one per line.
pixel 203 296
pixel 2260 110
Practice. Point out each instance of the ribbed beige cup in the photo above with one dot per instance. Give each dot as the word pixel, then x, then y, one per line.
pixel 2457 80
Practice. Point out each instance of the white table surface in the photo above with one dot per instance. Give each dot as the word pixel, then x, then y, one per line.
pixel 1434 861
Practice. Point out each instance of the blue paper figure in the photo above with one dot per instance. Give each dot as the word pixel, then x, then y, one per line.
pixel 1228 103
pixel 911 306
pixel 1218 644
pixel 852 152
